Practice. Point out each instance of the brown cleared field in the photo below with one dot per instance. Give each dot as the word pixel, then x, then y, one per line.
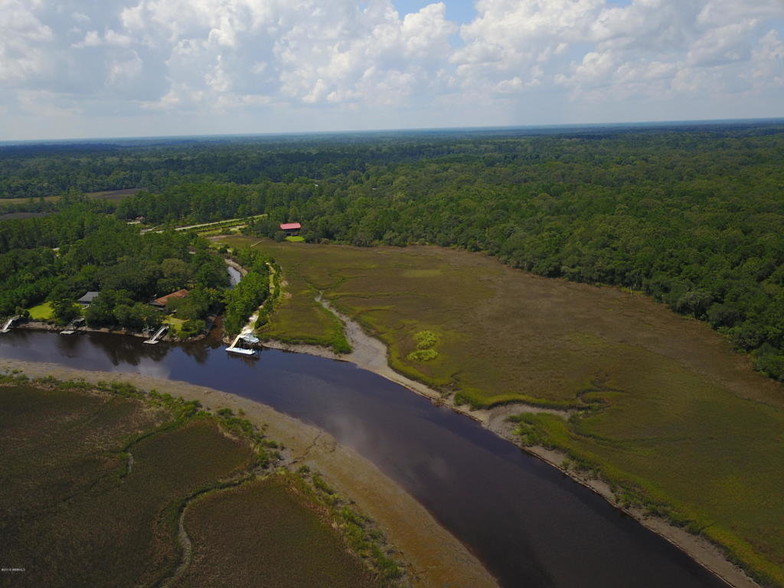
pixel 669 411
pixel 93 483
pixel 105 195
pixel 285 543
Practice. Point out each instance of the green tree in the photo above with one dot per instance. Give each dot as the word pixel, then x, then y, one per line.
pixel 65 310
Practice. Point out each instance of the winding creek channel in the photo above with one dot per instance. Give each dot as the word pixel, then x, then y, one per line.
pixel 527 522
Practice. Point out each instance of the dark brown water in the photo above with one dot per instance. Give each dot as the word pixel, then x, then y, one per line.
pixel 529 524
pixel 234 276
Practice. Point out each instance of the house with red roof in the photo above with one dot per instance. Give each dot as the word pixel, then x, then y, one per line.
pixel 161 302
pixel 291 229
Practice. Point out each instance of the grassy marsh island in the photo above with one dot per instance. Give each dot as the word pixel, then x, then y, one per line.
pixel 105 485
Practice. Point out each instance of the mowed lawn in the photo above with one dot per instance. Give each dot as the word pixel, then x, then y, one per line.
pixel 672 413
pixel 42 312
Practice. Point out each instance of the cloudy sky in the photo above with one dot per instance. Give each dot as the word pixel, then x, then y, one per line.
pixel 117 68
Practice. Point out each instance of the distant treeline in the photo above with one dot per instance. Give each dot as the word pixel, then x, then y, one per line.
pixel 53 169
pixel 692 217
pixel 34 171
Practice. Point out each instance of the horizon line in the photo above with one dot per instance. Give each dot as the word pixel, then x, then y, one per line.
pixel 408 130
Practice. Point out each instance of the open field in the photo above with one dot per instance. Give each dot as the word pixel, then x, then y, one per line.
pixel 665 408
pixel 113 195
pixel 42 312
pixel 93 483
pixel 297 320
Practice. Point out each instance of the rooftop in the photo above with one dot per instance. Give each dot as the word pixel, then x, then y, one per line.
pixel 163 300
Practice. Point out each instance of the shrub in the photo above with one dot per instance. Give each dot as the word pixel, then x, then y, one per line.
pixel 425 341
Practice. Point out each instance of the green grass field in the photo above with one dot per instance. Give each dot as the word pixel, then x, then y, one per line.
pixel 42 312
pixel 296 319
pixel 671 414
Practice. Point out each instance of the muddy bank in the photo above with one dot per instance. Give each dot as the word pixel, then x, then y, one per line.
pixel 434 557
pixel 371 354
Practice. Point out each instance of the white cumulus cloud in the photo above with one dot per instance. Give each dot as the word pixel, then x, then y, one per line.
pixel 362 60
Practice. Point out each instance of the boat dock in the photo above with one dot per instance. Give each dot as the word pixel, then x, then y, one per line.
pixel 9 323
pixel 73 326
pixel 247 339
pixel 157 336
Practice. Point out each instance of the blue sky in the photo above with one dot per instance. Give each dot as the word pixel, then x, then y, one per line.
pixel 460 12
pixel 79 68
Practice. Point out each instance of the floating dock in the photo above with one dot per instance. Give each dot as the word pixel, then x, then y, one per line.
pixel 72 327
pixel 246 351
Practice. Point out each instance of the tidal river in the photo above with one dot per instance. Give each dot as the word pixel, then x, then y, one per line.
pixel 529 524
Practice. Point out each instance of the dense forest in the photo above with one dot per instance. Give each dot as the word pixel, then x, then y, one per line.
pixel 692 216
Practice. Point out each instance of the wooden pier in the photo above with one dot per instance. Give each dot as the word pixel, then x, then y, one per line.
pixel 157 336
pixel 9 323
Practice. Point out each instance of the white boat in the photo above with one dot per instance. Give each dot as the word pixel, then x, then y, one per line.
pixel 241 351
pixel 246 351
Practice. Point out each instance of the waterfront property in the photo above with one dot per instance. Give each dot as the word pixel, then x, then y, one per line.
pixel 242 345
pixel 87 299
pixel 164 300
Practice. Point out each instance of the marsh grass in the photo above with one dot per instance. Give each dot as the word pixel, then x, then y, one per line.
pixel 96 477
pixel 303 530
pixel 297 318
pixel 75 512
pixel 669 414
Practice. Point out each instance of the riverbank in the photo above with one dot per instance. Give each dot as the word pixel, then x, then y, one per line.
pixel 45 326
pixel 433 556
pixel 371 354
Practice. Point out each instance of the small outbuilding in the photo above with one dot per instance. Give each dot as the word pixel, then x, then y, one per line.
pixel 87 299
pixel 291 229
pixel 163 300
